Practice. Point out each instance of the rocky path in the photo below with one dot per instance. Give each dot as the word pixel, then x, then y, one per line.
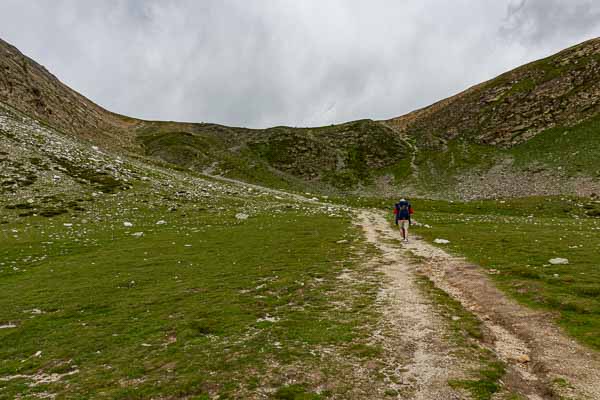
pixel 414 334
pixel 543 363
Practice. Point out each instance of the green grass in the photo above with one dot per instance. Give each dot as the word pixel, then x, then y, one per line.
pixel 295 392
pixel 574 150
pixel 201 306
pixel 499 236
pixel 401 171
pixel 438 170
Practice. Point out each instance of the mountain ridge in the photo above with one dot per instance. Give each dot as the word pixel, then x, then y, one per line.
pixel 470 145
pixel 29 87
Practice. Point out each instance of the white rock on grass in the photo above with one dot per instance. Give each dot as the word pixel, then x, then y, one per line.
pixel 241 216
pixel 161 222
pixel 268 318
pixel 137 234
pixel 8 326
pixel 558 261
pixel 127 224
pixel 441 241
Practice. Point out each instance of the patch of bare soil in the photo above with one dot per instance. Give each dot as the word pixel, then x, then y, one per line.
pixel 539 354
pixel 419 358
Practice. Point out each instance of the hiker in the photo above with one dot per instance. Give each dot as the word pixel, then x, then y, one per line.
pixel 403 211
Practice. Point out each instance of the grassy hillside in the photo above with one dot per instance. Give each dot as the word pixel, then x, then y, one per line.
pixel 573 150
pixel 337 156
pixel 560 90
pixel 557 161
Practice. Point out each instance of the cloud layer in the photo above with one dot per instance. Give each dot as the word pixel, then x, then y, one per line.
pixel 263 63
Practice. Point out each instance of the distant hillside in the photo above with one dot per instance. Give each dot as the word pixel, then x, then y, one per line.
pixel 337 156
pixel 531 131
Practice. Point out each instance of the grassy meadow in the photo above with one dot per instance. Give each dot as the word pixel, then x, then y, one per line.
pixel 200 304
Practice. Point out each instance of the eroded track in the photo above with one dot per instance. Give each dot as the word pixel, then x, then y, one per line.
pixel 537 353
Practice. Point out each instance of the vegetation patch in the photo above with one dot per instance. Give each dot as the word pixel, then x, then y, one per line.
pixel 103 180
pixel 295 392
pixel 573 150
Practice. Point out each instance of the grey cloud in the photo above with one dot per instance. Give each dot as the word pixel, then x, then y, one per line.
pixel 538 22
pixel 263 63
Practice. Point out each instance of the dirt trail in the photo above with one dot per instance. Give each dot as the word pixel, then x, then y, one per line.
pixel 517 333
pixel 275 192
pixel 543 363
pixel 425 362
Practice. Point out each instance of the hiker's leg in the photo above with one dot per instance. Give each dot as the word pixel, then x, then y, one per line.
pixel 406 224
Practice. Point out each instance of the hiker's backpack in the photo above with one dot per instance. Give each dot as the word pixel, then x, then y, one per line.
pixel 402 206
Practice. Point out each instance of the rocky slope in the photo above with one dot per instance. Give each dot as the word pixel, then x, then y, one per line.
pixel 531 131
pixel 30 88
pixel 561 90
pixel 47 173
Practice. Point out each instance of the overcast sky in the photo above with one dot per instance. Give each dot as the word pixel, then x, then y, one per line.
pixel 286 62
